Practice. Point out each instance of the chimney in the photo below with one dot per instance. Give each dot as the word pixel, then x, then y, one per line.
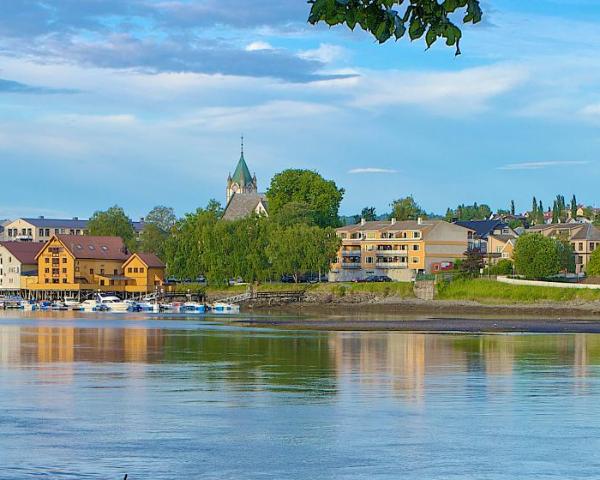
pixel 362 221
pixel 419 221
pixel 393 221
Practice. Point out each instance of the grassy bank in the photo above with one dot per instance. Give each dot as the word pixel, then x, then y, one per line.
pixel 490 291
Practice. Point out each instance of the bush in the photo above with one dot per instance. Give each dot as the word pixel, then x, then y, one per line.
pixel 503 267
pixel 593 267
pixel 537 256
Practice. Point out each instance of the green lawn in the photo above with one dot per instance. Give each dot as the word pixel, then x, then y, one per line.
pixel 481 290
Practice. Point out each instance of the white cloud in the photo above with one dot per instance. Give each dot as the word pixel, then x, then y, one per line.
pixel 355 171
pixel 455 93
pixel 258 45
pixel 540 165
pixel 326 53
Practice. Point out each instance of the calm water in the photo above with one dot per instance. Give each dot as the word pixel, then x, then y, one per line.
pixel 174 399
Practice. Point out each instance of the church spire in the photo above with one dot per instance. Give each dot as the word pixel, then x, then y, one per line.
pixel 242 149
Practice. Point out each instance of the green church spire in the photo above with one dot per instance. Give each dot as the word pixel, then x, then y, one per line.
pixel 242 175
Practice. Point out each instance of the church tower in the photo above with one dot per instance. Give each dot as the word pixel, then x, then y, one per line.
pixel 241 181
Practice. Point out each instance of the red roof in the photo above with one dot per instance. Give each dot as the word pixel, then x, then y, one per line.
pixel 95 248
pixel 151 260
pixel 24 252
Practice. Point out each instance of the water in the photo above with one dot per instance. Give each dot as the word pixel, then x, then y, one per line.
pixel 168 399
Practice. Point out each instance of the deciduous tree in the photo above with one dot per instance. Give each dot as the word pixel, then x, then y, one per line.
pixel 114 223
pixel 537 256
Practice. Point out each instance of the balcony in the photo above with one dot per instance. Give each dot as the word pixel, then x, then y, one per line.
pixel 390 252
pixel 391 264
pixel 351 253
pixel 351 265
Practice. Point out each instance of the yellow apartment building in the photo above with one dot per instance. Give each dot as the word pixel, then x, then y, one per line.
pixel 72 264
pixel 399 250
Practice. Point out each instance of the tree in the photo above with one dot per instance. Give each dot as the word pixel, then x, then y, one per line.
pixel 113 223
pixel 574 208
pixel 406 209
pixel 472 264
pixel 471 212
pixel 593 267
pixel 321 196
pixel 383 20
pixel 294 212
pixel 503 267
pixel 555 213
pixel 163 217
pixel 299 249
pixel 537 256
pixel 368 213
pixel 566 256
pixel 512 207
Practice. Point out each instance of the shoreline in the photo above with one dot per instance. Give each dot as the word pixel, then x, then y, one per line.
pixel 430 316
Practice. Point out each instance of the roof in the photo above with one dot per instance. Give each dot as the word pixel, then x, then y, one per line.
pixel 577 231
pixel 24 252
pixel 42 222
pixel 151 260
pixel 391 226
pixel 242 205
pixel 503 238
pixel 138 226
pixel 482 228
pixel 242 175
pixel 95 248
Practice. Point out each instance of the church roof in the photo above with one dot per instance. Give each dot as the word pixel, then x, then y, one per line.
pixel 242 205
pixel 242 175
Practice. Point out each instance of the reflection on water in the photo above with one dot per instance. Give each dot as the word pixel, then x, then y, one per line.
pixel 163 400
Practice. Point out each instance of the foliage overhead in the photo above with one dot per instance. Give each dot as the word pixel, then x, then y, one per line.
pixel 321 197
pixel 386 19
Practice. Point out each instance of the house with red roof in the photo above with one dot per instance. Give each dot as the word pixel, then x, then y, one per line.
pixel 17 259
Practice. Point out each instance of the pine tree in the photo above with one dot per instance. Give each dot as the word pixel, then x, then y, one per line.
pixel 534 212
pixel 555 213
pixel 541 219
pixel 512 207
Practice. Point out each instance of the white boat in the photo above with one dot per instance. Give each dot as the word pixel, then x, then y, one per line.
pixel 113 303
pixel 71 302
pixel 192 307
pixel 89 306
pixel 220 307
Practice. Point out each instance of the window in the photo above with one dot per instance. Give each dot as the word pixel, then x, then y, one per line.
pixel 91 271
pixel 101 271
pixel 416 234
pixel 135 270
pixel 46 270
pixel 415 248
pixel 46 280
pixel 55 271
pixel 64 270
pixel 55 280
pixel 41 232
pixel 592 246
pixel 29 232
pixel 580 246
pixel 415 259
pixel 115 272
pixel 130 270
pixel 64 280
pixel 369 259
pixel 46 260
pixel 102 282
pixel 64 260
pixel 141 269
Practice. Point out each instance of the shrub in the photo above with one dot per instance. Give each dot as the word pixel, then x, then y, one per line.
pixel 593 266
pixel 537 256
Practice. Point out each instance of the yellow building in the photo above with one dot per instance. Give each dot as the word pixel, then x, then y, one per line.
pixel 501 247
pixel 72 264
pixel 398 250
pixel 145 272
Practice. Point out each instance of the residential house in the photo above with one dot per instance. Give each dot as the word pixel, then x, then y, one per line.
pixel 399 250
pixel 482 229
pixel 17 260
pixel 584 238
pixel 501 247
pixel 73 263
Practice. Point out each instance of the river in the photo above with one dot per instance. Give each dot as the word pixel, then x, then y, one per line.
pixel 178 398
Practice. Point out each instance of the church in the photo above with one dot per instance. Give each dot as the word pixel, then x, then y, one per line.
pixel 242 197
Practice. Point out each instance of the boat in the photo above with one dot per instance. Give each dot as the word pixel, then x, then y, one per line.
pixel 221 307
pixel 192 307
pixel 113 303
pixel 71 303
pixel 58 306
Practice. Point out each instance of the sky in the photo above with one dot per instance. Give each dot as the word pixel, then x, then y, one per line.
pixel 143 102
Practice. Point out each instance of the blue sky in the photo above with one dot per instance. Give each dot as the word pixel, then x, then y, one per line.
pixel 142 102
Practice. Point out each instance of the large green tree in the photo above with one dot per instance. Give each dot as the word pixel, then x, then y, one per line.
pixel 537 256
pixel 301 248
pixel 386 19
pixel 469 212
pixel 113 223
pixel 369 214
pixel 406 209
pixel 321 197
pixel 163 217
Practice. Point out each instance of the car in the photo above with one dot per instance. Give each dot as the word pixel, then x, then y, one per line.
pixel 377 279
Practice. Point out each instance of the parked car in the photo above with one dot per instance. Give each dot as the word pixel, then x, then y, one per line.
pixel 377 278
